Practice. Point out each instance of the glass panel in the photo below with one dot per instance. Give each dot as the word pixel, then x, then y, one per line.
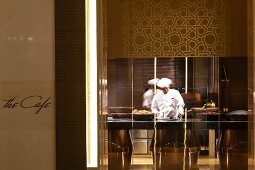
pixel 212 79
pixel 212 99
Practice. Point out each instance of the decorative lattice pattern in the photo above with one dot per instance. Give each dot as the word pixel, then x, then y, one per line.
pixel 176 28
pixel 168 28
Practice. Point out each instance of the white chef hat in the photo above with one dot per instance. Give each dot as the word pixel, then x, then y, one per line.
pixel 153 81
pixel 164 82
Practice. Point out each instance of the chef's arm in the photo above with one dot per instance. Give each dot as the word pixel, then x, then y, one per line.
pixel 180 103
pixel 181 109
pixel 154 106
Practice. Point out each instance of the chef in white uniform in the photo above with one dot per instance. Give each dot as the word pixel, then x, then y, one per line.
pixel 149 94
pixel 167 102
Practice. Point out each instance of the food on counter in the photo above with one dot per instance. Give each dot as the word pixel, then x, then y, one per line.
pixel 209 104
pixel 142 115
pixel 141 112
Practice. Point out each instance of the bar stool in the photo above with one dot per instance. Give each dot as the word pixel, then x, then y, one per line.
pixel 233 153
pixel 171 151
pixel 119 149
pixel 233 150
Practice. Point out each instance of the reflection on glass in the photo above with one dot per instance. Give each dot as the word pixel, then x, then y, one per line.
pixel 214 91
pixel 202 81
pixel 222 81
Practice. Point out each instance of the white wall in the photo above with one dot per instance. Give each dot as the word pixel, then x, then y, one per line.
pixel 27 139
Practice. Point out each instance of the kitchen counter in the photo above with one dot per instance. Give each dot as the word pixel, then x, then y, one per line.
pixel 127 123
pixel 167 124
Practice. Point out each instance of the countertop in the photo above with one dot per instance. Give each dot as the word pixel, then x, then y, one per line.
pixel 128 123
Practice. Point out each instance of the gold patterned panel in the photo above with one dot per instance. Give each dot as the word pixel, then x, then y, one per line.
pixel 170 28
pixel 175 28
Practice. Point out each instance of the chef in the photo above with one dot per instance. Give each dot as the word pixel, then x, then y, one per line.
pixel 149 94
pixel 167 102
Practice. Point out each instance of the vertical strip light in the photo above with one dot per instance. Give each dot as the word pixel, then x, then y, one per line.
pixel 185 114
pixel 91 84
pixel 155 122
pixel 186 74
pixel 155 73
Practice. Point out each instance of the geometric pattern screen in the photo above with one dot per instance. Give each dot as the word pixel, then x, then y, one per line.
pixel 163 28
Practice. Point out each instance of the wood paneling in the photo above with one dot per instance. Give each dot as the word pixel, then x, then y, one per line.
pixel 234 94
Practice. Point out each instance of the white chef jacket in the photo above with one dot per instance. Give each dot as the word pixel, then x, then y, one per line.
pixel 168 105
pixel 147 98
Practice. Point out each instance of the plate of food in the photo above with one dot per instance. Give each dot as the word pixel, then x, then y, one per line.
pixel 142 115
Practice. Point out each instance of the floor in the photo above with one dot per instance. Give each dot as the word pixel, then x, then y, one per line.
pixel 144 162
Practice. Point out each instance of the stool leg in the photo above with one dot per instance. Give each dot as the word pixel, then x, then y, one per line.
pixel 211 143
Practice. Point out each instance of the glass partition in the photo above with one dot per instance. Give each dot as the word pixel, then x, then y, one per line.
pixel 213 99
pixel 222 81
pixel 207 54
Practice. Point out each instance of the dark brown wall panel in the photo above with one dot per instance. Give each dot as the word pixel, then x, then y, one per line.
pixel 70 84
pixel 234 93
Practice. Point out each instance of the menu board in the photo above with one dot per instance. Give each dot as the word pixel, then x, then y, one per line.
pixel 27 114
